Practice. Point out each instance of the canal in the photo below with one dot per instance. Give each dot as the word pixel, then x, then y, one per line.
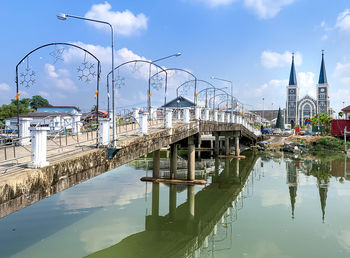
pixel 261 206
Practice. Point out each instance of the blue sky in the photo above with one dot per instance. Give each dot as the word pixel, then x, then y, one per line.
pixel 246 41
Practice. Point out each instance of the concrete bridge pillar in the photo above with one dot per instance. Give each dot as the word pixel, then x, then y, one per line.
pixel 153 113
pixel 178 113
pixel 228 117
pixel 24 132
pixel 215 116
pixel 136 115
pixel 197 113
pixel 76 124
pixel 38 150
pixel 156 163
pixel 215 230
pixel 206 242
pixel 237 167
pixel 222 117
pixel 104 131
pixel 155 199
pixel 186 116
pixel 173 160
pixel 191 159
pixel 168 119
pixel 190 200
pixel 227 145
pixel 110 116
pixel 227 168
pixel 206 114
pixel 217 144
pixel 143 123
pixel 172 201
pixel 237 150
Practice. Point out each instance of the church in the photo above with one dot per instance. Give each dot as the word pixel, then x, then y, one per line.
pixel 298 111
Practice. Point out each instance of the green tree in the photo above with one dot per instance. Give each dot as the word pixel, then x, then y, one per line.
pixel 322 119
pixel 26 105
pixel 340 114
pixel 279 122
pixel 38 101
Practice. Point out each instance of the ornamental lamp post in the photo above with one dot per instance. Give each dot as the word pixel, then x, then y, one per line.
pixel 149 77
pixel 64 17
pixel 224 80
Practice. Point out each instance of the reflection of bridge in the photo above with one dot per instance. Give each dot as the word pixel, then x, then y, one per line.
pixel 185 229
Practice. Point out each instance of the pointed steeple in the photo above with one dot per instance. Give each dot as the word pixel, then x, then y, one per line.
pixel 323 198
pixel 292 195
pixel 293 76
pixel 323 76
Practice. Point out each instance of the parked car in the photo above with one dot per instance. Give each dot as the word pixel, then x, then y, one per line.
pixel 287 132
pixel 276 131
pixel 267 131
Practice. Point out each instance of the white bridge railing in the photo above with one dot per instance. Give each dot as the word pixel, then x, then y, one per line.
pixel 37 142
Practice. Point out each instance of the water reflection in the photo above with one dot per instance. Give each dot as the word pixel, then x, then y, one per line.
pixel 199 223
pixel 261 206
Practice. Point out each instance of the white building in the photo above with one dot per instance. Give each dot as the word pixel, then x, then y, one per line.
pixel 56 117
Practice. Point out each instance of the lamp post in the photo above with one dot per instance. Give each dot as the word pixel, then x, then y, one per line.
pixel 64 17
pixel 224 80
pixel 263 99
pixel 149 77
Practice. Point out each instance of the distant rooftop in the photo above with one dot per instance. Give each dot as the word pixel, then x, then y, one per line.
pixel 78 109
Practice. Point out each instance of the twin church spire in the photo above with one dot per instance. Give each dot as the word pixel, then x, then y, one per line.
pixel 323 75
pixel 322 79
pixel 293 75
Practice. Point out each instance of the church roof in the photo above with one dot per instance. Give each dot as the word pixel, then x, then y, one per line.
pixel 323 76
pixel 180 102
pixel 293 76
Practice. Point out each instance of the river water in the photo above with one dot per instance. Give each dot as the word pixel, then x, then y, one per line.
pixel 261 206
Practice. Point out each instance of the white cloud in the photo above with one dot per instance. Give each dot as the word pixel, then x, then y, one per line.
pixel 44 94
pixel 102 53
pixel 270 59
pixel 215 3
pixel 4 87
pixel 343 20
pixel 274 197
pixel 125 23
pixel 60 78
pixel 266 9
pixel 306 83
pixel 324 37
pixel 342 72
pixel 50 69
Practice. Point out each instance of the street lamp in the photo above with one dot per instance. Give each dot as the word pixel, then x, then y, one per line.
pixel 224 80
pixel 64 17
pixel 149 77
pixel 263 111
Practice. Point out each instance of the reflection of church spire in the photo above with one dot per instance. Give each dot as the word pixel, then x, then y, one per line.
pixel 292 181
pixel 323 189
pixel 293 195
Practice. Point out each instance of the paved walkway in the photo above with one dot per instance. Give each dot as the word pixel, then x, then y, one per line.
pixel 16 158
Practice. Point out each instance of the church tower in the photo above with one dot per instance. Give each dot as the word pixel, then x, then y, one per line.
pixel 292 97
pixel 322 90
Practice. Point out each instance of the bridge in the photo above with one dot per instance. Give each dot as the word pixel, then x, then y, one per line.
pixel 66 154
pixel 188 229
